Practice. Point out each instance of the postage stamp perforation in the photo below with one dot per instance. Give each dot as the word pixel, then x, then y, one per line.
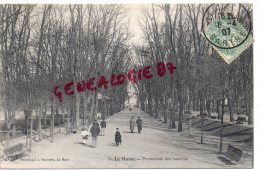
pixel 240 49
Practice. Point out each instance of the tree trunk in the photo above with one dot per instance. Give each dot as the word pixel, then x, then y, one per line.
pixel 39 115
pixel 218 109
pixel 164 111
pixel 208 104
pixel 213 105
pixel 201 99
pixel 31 129
pixel 172 119
pixel 165 116
pixel 221 124
pixel 193 104
pixel 92 107
pixel 12 122
pixel 189 111
pixel 150 106
pixel 7 122
pixel 77 122
pixel 72 116
pixel 52 121
pixel 202 129
pixel 173 116
pixel 181 104
pixel 45 117
pixel 97 106
pixel 85 111
pixel 197 106
pixel 230 105
pixel 250 113
pixel 62 115
pixel 156 108
pixel 27 123
pixel 68 118
pixel 142 105
pixel 180 114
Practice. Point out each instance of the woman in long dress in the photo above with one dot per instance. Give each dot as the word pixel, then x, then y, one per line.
pixel 132 124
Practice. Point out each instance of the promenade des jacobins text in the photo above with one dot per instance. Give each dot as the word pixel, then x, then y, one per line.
pixel 116 79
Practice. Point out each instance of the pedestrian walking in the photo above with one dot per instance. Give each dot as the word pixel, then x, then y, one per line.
pixel 132 124
pixel 118 137
pixel 139 123
pixel 95 130
pixel 103 125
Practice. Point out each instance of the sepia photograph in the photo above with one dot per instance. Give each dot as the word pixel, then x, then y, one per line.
pixel 138 85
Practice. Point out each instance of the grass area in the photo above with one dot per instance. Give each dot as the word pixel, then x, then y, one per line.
pixel 236 132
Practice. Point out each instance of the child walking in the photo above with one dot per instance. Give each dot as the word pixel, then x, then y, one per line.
pixel 84 134
pixel 118 138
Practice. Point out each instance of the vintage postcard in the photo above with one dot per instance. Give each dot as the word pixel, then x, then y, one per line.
pixel 108 85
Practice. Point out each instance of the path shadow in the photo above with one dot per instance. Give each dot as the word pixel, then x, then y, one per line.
pixel 241 132
pixel 81 143
pixel 129 132
pixel 197 149
pixel 160 127
pixel 90 146
pixel 112 144
pixel 210 124
pixel 219 127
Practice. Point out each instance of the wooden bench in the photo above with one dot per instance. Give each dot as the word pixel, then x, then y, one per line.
pixel 240 119
pixel 233 154
pixel 213 117
pixel 15 152
pixel 204 115
pixel 72 129
pixel 188 112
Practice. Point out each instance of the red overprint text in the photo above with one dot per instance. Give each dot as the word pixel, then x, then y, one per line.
pixel 133 76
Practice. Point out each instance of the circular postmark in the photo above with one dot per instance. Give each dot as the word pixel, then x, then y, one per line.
pixel 226 26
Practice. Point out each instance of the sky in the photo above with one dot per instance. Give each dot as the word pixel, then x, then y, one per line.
pixel 134 12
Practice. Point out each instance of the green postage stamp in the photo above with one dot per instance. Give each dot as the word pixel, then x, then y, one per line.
pixel 227 35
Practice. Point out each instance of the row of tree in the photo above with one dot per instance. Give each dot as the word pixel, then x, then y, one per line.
pixel 202 81
pixel 46 45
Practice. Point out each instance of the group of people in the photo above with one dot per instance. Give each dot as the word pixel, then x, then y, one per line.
pixel 138 122
pixel 96 131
